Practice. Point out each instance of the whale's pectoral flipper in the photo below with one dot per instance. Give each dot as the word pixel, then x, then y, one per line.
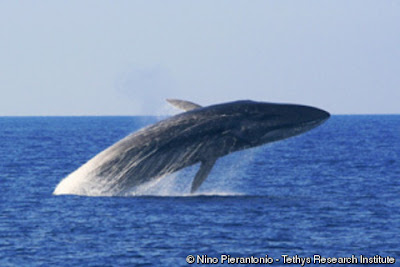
pixel 202 174
pixel 182 104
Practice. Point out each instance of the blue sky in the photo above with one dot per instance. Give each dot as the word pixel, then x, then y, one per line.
pixel 126 57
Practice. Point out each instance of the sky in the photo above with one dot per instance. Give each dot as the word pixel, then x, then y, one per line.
pixel 126 57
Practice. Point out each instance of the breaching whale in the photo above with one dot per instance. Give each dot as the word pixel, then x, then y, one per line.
pixel 198 135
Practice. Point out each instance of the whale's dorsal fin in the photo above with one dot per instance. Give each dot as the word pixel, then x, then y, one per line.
pixel 202 174
pixel 182 104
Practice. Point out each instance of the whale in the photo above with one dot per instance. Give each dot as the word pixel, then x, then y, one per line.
pixel 197 135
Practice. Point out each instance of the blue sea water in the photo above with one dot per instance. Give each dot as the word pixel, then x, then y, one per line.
pixel 334 191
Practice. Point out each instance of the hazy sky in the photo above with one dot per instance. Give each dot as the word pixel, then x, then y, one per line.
pixel 126 57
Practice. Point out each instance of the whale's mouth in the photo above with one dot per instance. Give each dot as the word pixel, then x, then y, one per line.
pixel 286 131
pixel 313 123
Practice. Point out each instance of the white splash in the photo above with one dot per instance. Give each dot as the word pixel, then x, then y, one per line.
pixel 83 181
pixel 221 181
pixel 173 185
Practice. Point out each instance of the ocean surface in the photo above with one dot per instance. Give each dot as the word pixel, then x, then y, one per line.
pixel 333 192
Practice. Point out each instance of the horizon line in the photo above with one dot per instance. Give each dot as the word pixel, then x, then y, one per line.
pixel 164 115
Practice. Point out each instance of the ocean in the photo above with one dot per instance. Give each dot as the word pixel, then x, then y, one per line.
pixel 333 193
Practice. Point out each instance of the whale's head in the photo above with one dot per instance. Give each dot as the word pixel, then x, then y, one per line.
pixel 258 123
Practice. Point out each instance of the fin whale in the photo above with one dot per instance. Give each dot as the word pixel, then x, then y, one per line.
pixel 198 135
